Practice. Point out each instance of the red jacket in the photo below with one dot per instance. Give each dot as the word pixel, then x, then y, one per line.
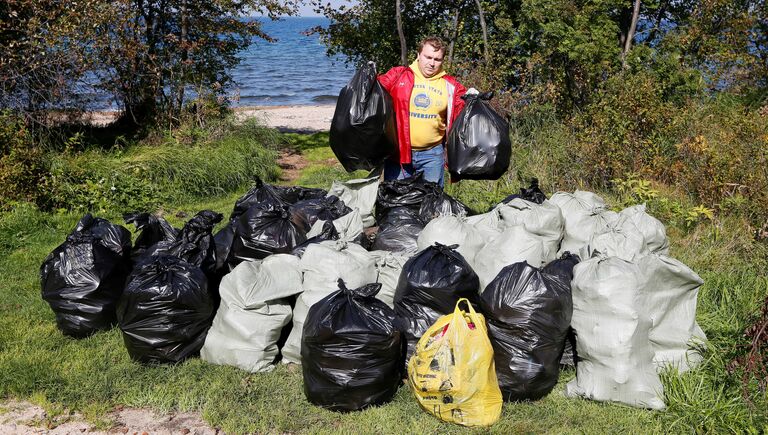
pixel 398 81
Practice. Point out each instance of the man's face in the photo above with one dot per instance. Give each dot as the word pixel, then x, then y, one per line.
pixel 430 60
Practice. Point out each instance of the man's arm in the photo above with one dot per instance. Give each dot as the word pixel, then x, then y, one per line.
pixel 458 103
pixel 389 78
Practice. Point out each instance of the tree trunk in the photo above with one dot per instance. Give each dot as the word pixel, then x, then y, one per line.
pixel 630 34
pixel 403 48
pixel 454 34
pixel 485 31
pixel 181 80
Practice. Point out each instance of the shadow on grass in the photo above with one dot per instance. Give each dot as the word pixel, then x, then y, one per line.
pixel 303 142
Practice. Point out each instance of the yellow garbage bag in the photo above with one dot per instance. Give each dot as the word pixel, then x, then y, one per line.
pixel 452 371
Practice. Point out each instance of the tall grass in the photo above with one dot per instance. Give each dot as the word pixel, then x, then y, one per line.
pixel 145 176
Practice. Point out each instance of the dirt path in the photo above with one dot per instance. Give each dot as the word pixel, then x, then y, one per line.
pixel 292 163
pixel 26 418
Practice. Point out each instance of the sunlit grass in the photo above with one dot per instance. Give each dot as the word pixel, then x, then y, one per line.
pixel 95 374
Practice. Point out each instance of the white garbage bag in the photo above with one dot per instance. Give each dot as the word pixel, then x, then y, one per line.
pixel 358 194
pixel 513 245
pixel 254 309
pixel 544 220
pixel 653 230
pixel 349 226
pixel 672 289
pixel 621 239
pixel 585 214
pixel 389 265
pixel 612 335
pixel 323 264
pixel 452 230
pixel 488 224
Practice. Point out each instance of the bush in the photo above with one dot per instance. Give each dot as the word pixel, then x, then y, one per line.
pixel 154 172
pixel 22 164
pixel 713 149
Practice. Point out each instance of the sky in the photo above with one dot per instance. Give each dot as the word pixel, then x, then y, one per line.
pixel 306 10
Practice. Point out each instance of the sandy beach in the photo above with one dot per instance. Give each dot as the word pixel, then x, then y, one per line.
pixel 290 119
pixel 295 119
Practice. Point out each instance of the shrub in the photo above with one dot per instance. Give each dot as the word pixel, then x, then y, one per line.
pixel 162 170
pixel 713 149
pixel 22 164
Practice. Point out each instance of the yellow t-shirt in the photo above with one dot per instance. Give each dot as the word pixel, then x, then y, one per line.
pixel 428 108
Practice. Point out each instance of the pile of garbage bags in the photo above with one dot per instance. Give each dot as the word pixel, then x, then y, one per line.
pixel 374 281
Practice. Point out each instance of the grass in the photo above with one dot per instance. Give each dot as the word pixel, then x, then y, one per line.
pixel 147 175
pixel 95 375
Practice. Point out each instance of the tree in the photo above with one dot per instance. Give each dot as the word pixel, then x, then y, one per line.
pixel 44 54
pixel 630 33
pixel 156 50
pixel 369 29
pixel 147 53
pixel 400 34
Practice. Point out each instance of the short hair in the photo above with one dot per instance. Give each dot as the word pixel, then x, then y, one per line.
pixel 434 41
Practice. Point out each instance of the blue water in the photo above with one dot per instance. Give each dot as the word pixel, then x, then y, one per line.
pixel 293 70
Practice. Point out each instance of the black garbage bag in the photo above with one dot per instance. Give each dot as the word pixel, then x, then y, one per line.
pixel 350 351
pixel 563 267
pixel 262 192
pixel 115 237
pixel 153 229
pixel 363 132
pixel 265 229
pixel 398 230
pixel 478 144
pixel 426 198
pixel 329 232
pixel 438 203
pixel 430 284
pixel 222 240
pixel 83 278
pixel 165 310
pixel 531 193
pixel 306 212
pixel 528 314
pixel 194 242
pixel 409 192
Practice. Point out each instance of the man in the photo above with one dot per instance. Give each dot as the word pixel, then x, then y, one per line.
pixel 426 101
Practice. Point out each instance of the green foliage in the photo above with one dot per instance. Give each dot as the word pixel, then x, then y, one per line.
pixel 143 176
pixel 712 148
pixel 22 164
pixel 96 374
pixel 43 51
pixel 152 53
pixel 674 212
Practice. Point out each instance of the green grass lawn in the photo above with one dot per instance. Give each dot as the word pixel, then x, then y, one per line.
pixel 95 375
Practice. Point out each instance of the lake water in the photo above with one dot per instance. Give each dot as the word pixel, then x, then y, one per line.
pixel 293 70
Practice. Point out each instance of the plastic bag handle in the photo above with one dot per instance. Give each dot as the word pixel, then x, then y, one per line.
pixel 471 310
pixel 471 313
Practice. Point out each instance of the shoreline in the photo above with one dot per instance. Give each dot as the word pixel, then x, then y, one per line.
pixel 293 118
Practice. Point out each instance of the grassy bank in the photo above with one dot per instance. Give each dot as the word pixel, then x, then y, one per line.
pixel 95 374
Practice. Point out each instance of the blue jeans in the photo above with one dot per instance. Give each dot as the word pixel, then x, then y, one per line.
pixel 431 162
